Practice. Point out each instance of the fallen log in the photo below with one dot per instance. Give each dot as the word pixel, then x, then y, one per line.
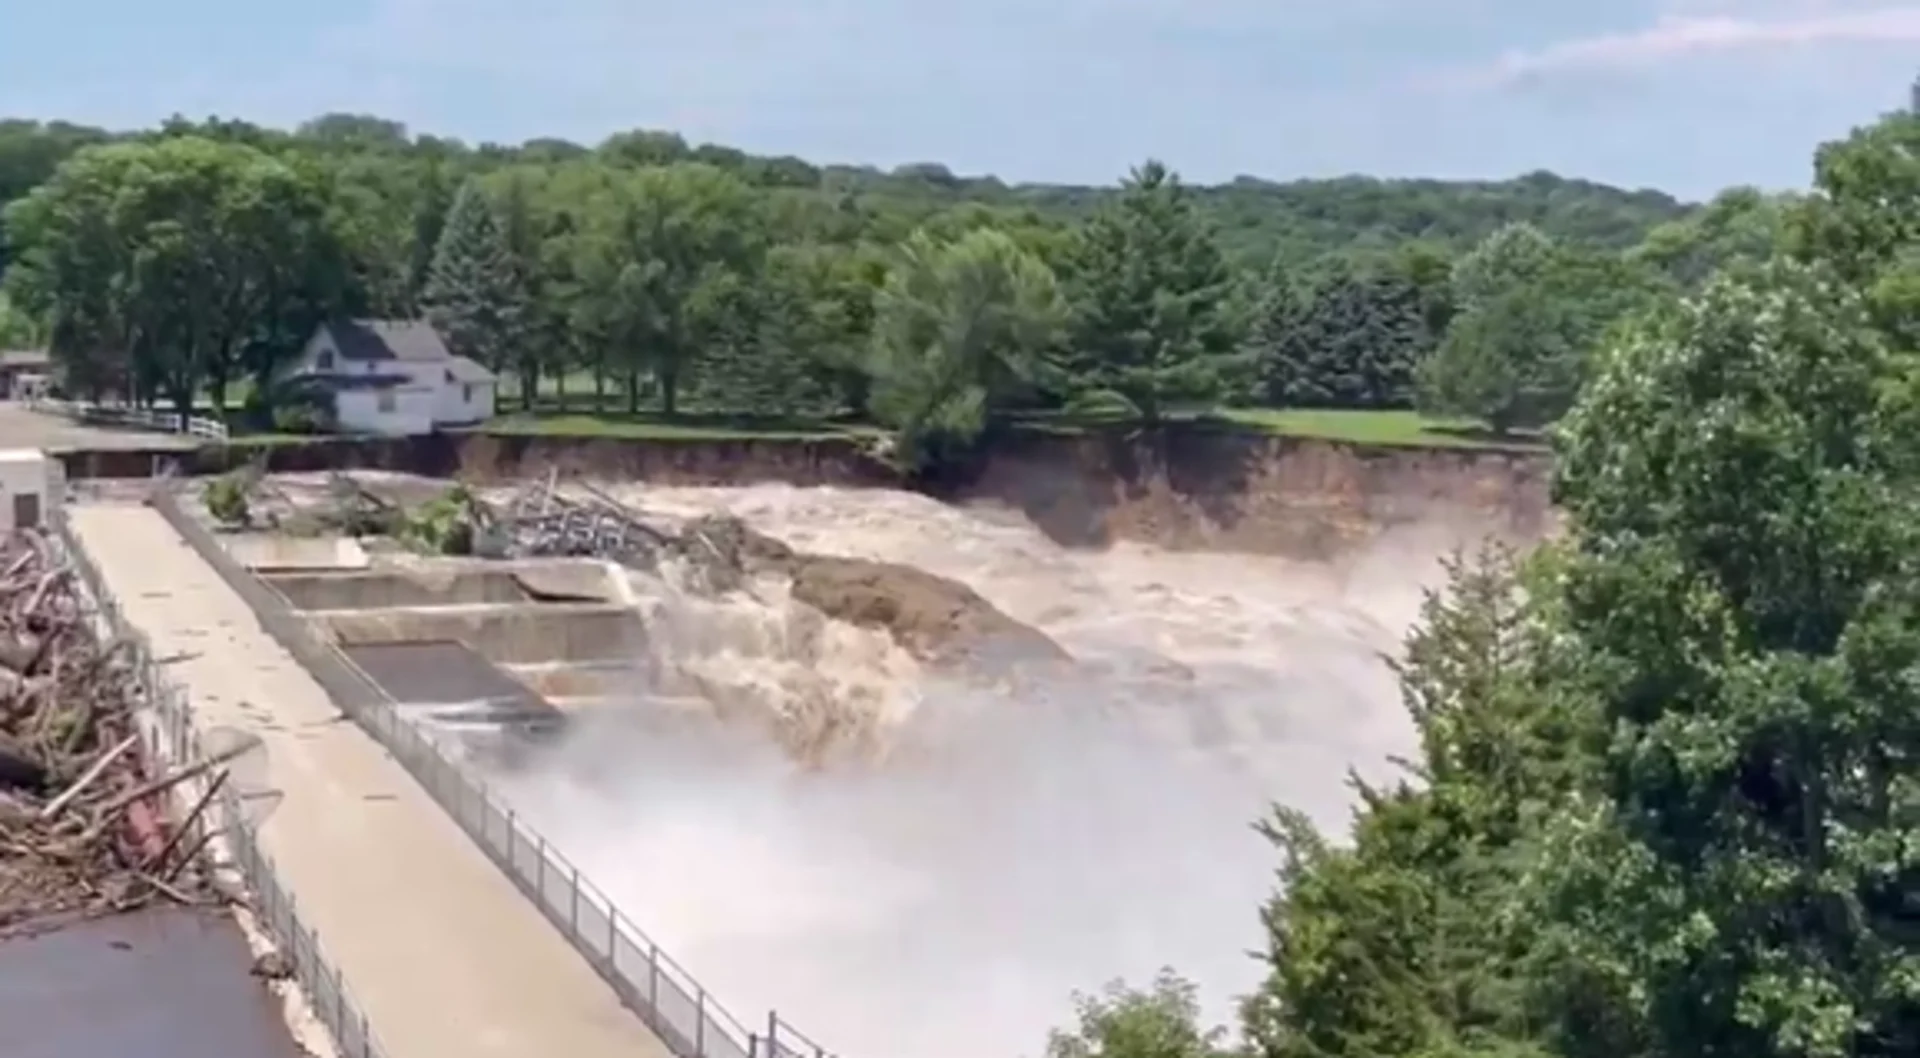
pixel 83 826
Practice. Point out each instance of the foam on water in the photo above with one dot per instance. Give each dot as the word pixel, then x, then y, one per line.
pixel 946 903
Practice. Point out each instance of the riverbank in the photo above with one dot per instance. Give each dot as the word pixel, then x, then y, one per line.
pixel 1191 486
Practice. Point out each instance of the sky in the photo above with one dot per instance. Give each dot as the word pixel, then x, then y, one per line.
pixel 1688 96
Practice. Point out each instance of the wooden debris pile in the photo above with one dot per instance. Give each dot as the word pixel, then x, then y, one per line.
pixel 81 814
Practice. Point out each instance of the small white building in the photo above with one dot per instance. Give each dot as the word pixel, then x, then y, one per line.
pixel 393 377
pixel 31 483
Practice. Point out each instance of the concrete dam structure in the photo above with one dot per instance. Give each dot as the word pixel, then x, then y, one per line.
pixel 484 643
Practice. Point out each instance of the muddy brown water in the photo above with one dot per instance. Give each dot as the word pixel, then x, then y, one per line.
pixel 1019 843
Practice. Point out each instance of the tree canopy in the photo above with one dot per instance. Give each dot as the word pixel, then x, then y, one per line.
pixel 657 274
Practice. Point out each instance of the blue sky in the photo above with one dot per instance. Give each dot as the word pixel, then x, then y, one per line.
pixel 1685 95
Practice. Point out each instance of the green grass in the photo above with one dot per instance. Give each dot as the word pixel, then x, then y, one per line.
pixel 649 426
pixel 1374 427
pixel 1356 427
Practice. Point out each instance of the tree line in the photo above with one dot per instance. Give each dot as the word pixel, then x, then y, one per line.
pixel 656 275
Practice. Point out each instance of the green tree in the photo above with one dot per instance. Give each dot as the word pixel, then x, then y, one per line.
pixel 666 248
pixel 1510 361
pixel 1417 939
pixel 183 260
pixel 958 328
pixel 1745 608
pixel 17 327
pixel 1160 1021
pixel 1349 337
pixel 1532 313
pixel 474 294
pixel 1504 261
pixel 1741 224
pixel 1861 219
pixel 520 235
pixel 1151 292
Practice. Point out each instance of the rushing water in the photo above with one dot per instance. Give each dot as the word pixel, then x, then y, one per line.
pixel 1016 848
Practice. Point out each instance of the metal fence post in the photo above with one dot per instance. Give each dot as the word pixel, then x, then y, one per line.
pixel 573 916
pixel 700 1021
pixel 653 976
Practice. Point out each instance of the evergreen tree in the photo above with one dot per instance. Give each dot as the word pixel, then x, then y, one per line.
pixel 473 293
pixel 1153 295
pixel 1351 339
pixel 431 203
pixel 520 235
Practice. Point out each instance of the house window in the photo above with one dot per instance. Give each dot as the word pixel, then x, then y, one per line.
pixel 466 393
pixel 449 378
pixel 324 361
pixel 386 404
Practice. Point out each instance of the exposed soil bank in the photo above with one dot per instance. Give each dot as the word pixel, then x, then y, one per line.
pixel 1186 488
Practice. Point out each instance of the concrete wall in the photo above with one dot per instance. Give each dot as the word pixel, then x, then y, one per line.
pixel 380 590
pixel 273 551
pixel 509 635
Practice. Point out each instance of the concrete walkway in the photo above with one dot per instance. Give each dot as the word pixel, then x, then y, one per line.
pixel 446 957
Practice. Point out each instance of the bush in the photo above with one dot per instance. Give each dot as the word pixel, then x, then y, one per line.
pixel 446 525
pixel 303 414
pixel 226 499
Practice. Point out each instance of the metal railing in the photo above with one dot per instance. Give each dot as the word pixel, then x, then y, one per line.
pixel 665 996
pixel 124 415
pixel 168 732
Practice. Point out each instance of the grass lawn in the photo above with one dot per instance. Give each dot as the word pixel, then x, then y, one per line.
pixel 1359 427
pixel 654 427
pixel 1375 427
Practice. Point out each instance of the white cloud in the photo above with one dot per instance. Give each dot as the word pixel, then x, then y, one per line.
pixel 1784 25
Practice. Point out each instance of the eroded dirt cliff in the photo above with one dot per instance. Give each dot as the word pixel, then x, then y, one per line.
pixel 1190 488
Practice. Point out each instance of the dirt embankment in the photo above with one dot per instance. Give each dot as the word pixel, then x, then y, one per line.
pixel 1261 494
pixel 936 619
pixel 1187 488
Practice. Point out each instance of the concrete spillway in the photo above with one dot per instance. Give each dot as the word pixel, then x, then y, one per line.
pixel 478 643
pixel 511 633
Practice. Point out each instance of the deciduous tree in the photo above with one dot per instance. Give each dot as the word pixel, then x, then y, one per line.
pixel 958 328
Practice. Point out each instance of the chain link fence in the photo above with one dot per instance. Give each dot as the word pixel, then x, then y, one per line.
pixel 168 733
pixel 665 996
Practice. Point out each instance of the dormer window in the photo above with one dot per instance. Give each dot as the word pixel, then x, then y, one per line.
pixel 324 361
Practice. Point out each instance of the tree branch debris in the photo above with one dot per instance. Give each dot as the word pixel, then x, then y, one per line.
pixel 81 809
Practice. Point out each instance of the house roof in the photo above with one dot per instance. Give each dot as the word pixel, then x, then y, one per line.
pixel 461 369
pixel 410 340
pixel 25 358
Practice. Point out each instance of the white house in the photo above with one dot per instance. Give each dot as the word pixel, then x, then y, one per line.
pixel 393 377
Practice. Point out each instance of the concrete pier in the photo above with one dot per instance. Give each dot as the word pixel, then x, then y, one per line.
pixel 447 958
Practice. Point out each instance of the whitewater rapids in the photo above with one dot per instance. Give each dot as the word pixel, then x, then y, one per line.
pixel 948 904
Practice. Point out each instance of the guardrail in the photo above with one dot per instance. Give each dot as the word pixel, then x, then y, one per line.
pixel 122 415
pixel 168 732
pixel 665 996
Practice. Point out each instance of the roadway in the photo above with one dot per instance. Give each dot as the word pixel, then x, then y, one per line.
pixel 446 957
pixel 21 427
